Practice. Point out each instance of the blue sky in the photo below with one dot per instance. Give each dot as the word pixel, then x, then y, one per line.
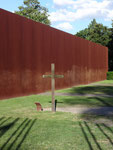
pixel 71 15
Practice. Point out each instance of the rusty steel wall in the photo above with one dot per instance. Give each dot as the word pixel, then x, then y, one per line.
pixel 28 48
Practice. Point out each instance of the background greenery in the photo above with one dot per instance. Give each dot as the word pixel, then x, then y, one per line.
pixel 100 34
pixel 33 10
pixel 110 75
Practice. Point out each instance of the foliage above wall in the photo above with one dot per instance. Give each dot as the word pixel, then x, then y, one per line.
pixel 33 10
pixel 100 34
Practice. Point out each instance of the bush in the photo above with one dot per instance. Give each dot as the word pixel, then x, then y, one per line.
pixel 110 75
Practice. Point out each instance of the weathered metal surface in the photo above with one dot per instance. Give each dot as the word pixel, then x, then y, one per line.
pixel 27 49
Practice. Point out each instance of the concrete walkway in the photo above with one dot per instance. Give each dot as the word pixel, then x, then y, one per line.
pixel 85 110
pixel 77 94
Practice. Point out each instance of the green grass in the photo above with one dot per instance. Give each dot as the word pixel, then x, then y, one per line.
pixel 26 105
pixel 110 75
pixel 103 87
pixel 59 131
pixel 106 82
pixel 23 128
pixel 54 134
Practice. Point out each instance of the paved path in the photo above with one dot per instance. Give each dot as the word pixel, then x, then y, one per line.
pixel 85 110
pixel 77 94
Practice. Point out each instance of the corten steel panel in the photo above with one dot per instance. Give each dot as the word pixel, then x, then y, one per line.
pixel 28 48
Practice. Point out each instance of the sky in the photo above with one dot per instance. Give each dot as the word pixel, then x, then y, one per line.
pixel 71 15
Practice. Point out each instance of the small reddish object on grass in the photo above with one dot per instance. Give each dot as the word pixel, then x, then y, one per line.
pixel 39 107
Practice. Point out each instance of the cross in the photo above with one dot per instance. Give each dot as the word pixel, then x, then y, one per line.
pixel 53 76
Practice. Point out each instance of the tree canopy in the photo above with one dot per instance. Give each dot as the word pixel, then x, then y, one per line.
pixel 97 33
pixel 100 34
pixel 33 10
pixel 110 46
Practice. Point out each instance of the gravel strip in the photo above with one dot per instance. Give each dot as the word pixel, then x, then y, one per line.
pixel 77 94
pixel 85 110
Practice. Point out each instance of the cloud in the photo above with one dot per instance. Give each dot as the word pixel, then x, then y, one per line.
pixel 63 2
pixel 72 10
pixel 62 15
pixel 64 26
pixel 110 15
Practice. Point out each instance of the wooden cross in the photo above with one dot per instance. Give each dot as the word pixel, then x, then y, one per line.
pixel 53 76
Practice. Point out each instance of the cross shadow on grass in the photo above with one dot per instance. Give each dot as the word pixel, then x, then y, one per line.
pixel 18 136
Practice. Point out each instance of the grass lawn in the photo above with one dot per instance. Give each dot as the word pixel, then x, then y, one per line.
pixel 60 131
pixel 23 128
pixel 102 87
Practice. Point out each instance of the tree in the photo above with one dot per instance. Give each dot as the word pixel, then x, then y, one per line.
pixel 100 34
pixel 83 34
pixel 110 46
pixel 96 33
pixel 32 10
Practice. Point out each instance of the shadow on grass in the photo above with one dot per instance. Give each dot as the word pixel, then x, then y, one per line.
pixel 26 133
pixel 108 128
pixel 19 135
pixel 105 109
pixel 87 130
pixel 6 127
pixel 92 90
pixel 89 101
pixel 104 101
pixel 13 134
pixel 1 118
pixel 109 139
pixel 85 136
pixel 93 136
pixel 4 120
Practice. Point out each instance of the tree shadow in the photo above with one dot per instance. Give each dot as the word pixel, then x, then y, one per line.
pixel 1 118
pixel 102 111
pixel 5 128
pixel 19 135
pixel 89 101
pixel 102 115
pixel 92 90
pixel 26 133
pixel 13 134
pixel 103 101
pixel 4 120
pixel 106 111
